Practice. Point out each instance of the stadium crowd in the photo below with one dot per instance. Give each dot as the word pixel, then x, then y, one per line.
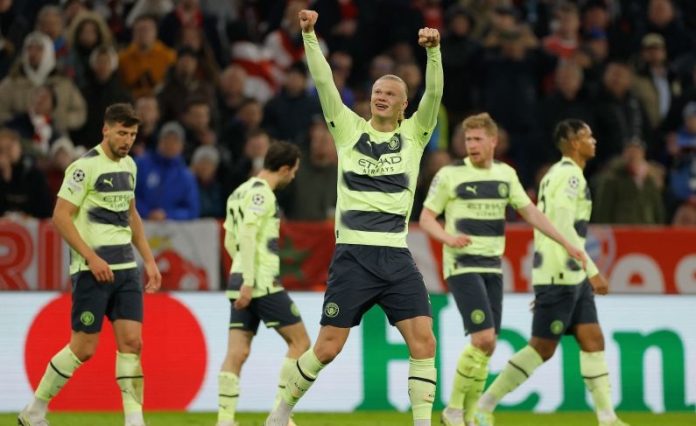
pixel 214 82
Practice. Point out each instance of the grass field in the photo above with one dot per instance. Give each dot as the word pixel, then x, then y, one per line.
pixel 355 419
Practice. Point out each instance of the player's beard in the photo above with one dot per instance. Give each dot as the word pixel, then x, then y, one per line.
pixel 119 150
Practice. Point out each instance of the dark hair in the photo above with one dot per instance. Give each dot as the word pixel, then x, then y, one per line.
pixel 566 130
pixel 281 154
pixel 121 113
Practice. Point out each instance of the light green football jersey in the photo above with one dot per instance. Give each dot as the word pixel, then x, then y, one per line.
pixel 102 189
pixel 564 197
pixel 377 171
pixel 254 203
pixel 474 201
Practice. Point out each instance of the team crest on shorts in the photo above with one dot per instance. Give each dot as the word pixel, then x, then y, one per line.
pixel 557 327
pixel 478 316
pixel 87 318
pixel 331 310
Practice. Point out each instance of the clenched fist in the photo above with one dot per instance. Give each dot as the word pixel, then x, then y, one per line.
pixel 307 20
pixel 428 37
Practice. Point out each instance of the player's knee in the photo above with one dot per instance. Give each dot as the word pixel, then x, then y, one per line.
pixel 131 345
pixel 423 346
pixel 85 354
pixel 300 344
pixel 485 344
pixel 328 350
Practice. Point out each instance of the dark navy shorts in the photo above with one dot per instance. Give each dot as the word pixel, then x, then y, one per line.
pixel 362 276
pixel 557 308
pixel 276 310
pixel 92 300
pixel 479 297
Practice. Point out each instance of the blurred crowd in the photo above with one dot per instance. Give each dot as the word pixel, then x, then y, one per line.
pixel 215 81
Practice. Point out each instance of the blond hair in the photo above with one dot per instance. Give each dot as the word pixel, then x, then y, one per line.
pixel 393 77
pixel 481 121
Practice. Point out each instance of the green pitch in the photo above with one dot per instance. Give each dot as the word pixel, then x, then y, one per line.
pixel 378 418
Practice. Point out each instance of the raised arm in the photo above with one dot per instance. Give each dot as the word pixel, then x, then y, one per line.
pixel 429 106
pixel 329 97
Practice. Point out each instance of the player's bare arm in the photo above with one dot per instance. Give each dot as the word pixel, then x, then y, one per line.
pixel 536 218
pixel 63 221
pixel 599 284
pixel 154 278
pixel 428 221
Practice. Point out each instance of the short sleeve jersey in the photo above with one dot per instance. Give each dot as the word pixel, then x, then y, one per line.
pixel 102 189
pixel 474 202
pixel 564 197
pixel 254 203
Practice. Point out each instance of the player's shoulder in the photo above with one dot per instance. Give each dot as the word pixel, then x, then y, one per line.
pixel 503 168
pixel 87 159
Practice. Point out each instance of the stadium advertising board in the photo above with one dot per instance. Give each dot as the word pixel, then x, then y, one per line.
pixel 650 340
pixel 650 260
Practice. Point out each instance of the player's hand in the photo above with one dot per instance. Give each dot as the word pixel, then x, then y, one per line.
pixel 458 241
pixel 100 269
pixel 428 37
pixel 578 255
pixel 599 284
pixel 244 297
pixel 307 20
pixel 154 278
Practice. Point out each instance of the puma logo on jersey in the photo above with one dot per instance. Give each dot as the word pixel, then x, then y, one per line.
pixel 109 181
pixel 471 189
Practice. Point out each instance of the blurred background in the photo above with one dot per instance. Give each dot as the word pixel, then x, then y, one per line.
pixel 215 81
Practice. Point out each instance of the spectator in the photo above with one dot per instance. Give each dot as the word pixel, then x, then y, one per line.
pixel 313 192
pixel 565 37
pixel 208 68
pixel 35 126
pixel 144 63
pixel 36 67
pixel 457 147
pixel 197 122
pixel 231 92
pixel 86 32
pixel 23 187
pixel 101 89
pixel 251 162
pixel 461 57
pixel 568 100
pixel 166 189
pixel 13 28
pixel 50 22
pixel 620 116
pixel 248 118
pixel 188 14
pixel 341 65
pixel 204 166
pixel 656 86
pixel 630 191
pixel 288 114
pixel 183 84
pixel 148 111
pixel 662 19
pixel 411 74
pixel 511 95
pixel 60 155
pixel 682 179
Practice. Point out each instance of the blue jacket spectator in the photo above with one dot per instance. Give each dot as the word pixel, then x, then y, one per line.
pixel 165 187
